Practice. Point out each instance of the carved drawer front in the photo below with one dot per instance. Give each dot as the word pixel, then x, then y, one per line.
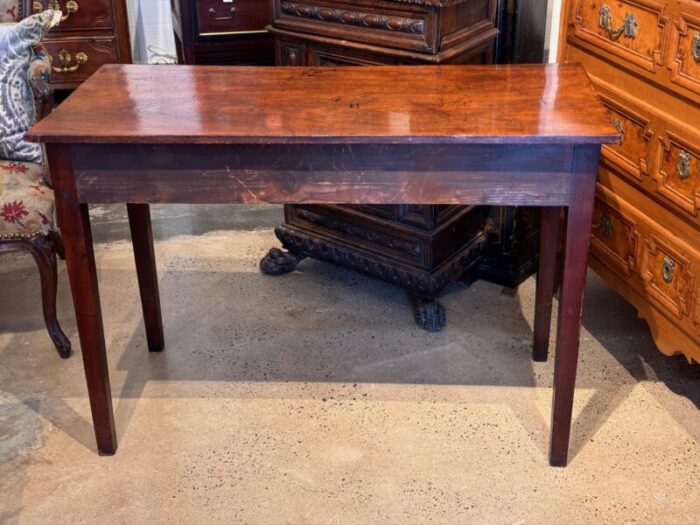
pixel 668 273
pixel 78 15
pixel 216 17
pixel 75 59
pixel 333 56
pixel 399 25
pixel 685 47
pixel 615 238
pixel 633 154
pixel 678 170
pixel 628 31
pixel 290 53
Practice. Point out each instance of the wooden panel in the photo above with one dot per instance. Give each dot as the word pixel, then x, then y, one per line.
pixel 633 154
pixel 685 48
pixel 289 52
pixel 98 50
pixel 677 172
pixel 392 24
pixel 215 17
pixel 615 237
pixel 329 173
pixel 88 15
pixel 644 50
pixel 668 273
pixel 508 104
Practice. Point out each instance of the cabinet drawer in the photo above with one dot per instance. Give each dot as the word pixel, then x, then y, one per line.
pixel 399 25
pixel 668 273
pixel 216 17
pixel 685 48
pixel 630 32
pixel 633 155
pixel 78 15
pixel 75 59
pixel 615 238
pixel 677 170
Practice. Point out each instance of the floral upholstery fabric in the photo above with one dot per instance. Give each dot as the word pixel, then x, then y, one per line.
pixel 26 202
pixel 9 11
pixel 17 107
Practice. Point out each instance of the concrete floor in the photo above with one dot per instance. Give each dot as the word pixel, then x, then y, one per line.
pixel 313 398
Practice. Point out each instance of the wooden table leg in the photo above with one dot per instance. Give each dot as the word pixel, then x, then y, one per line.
pixel 144 255
pixel 74 221
pixel 546 274
pixel 578 237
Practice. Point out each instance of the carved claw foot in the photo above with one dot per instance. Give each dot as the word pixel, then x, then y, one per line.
pixel 278 262
pixel 430 315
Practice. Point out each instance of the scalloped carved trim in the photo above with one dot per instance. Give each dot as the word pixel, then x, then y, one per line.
pixel 420 282
pixel 355 18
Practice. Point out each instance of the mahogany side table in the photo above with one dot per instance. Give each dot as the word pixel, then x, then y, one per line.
pixel 518 135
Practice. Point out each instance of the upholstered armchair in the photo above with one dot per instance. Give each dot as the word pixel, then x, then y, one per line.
pixel 27 218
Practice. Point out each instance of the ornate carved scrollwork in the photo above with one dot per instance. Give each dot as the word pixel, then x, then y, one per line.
pixel 367 234
pixel 355 18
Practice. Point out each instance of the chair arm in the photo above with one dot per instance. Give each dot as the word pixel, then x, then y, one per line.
pixel 39 78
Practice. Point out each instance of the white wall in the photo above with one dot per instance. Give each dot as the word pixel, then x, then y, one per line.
pixel 150 25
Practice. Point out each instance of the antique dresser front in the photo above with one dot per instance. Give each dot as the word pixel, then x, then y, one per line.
pixel 91 33
pixel 644 59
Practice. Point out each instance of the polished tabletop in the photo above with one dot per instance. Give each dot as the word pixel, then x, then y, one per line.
pixel 432 104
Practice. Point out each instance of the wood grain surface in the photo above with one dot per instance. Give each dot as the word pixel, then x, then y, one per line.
pixel 385 104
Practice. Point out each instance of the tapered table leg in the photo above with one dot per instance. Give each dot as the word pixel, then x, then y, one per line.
pixel 578 236
pixel 144 255
pixel 546 273
pixel 74 221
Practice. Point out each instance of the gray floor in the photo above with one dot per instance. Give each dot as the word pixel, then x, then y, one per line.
pixel 313 398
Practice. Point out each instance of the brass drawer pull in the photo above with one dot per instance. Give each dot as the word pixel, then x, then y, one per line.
pixel 683 165
pixel 71 8
pixel 606 226
pixel 695 47
pixel 65 58
pixel 667 269
pixel 628 27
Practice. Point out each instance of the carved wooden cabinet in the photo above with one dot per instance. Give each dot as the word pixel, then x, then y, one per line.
pixel 91 33
pixel 644 58
pixel 421 248
pixel 222 31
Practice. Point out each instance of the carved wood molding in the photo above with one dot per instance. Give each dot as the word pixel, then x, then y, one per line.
pixel 355 18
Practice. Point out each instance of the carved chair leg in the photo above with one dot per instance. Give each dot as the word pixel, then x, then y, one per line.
pixel 57 241
pixel 43 251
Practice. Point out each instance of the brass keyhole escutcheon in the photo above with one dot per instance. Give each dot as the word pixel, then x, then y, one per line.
pixel 627 29
pixel 683 165
pixel 606 226
pixel 620 127
pixel 695 47
pixel 667 269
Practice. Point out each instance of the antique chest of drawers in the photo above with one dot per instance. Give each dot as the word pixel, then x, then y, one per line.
pixel 644 58
pixel 421 248
pixel 91 33
pixel 222 31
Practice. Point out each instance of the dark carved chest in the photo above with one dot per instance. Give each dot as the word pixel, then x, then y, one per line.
pixel 419 247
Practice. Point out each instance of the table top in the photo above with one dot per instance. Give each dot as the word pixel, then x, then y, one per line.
pixel 148 104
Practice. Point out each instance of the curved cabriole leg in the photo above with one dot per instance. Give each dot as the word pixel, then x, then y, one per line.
pixel 430 315
pixel 278 262
pixel 42 249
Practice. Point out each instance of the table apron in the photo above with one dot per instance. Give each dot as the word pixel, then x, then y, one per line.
pixel 536 175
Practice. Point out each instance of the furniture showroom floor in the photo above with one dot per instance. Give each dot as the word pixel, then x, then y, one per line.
pixel 314 398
